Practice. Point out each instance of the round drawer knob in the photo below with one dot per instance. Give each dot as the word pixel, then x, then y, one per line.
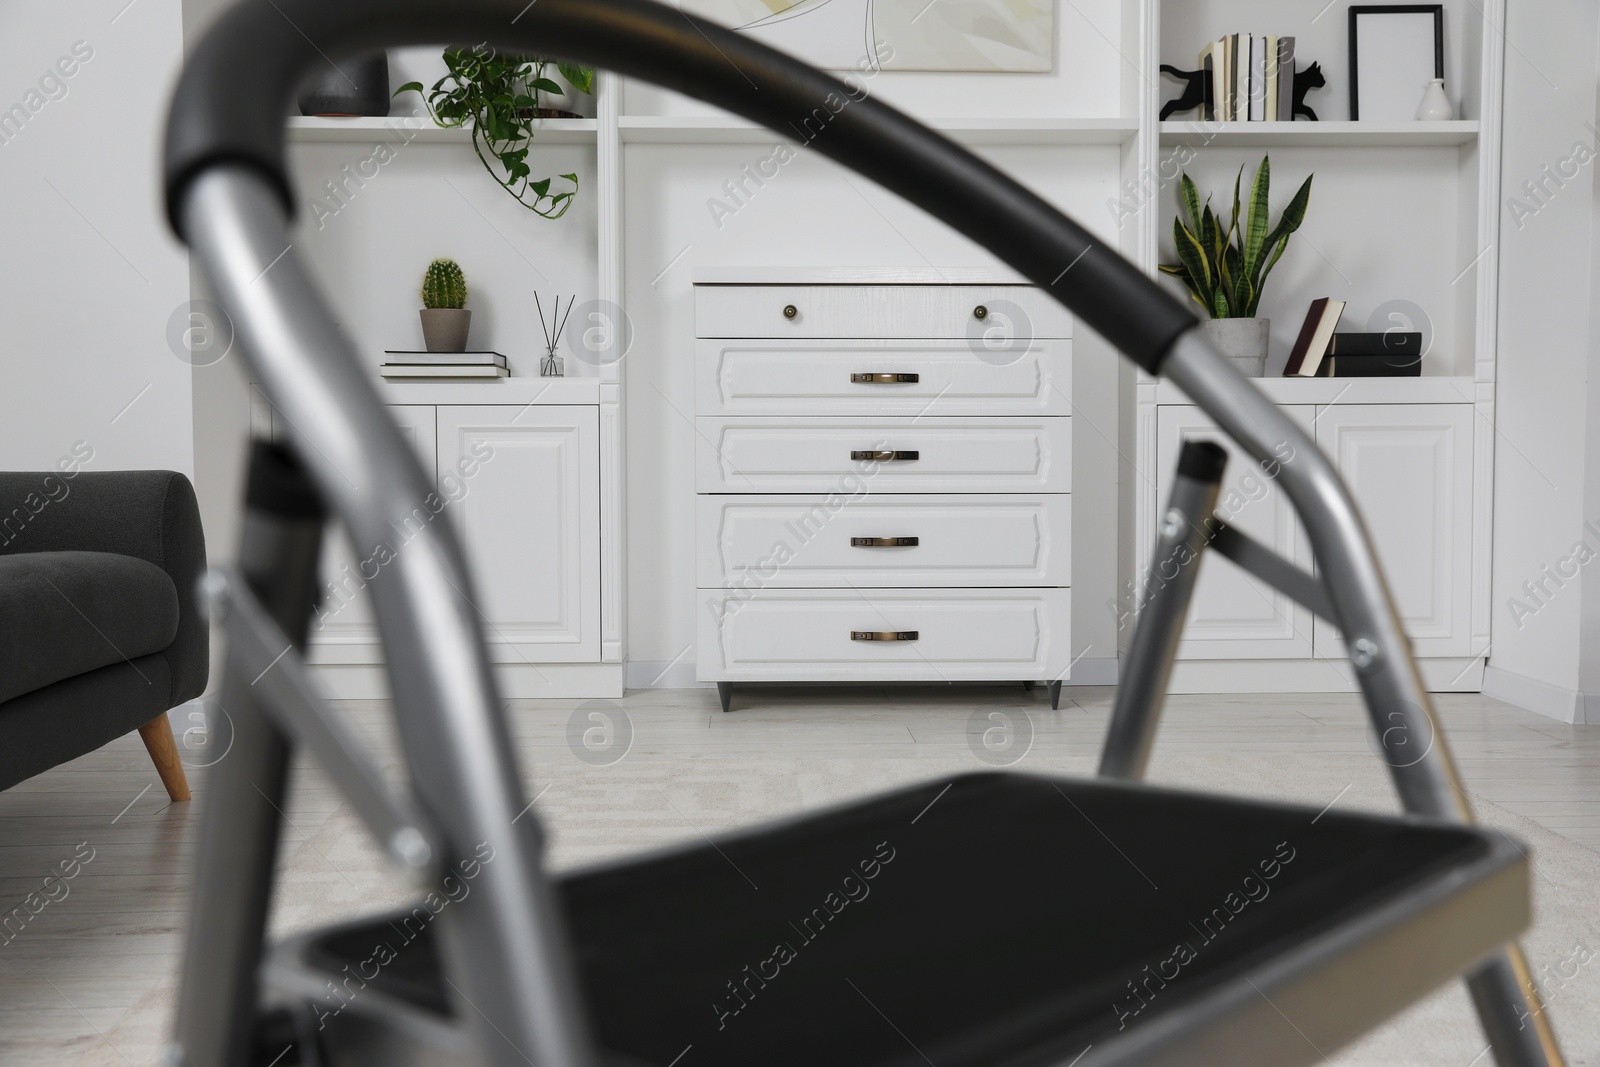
pixel 790 311
pixel 980 312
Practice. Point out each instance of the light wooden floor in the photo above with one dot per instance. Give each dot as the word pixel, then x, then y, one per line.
pixel 89 979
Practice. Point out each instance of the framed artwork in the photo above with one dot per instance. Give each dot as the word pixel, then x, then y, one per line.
pixel 1004 36
pixel 1395 51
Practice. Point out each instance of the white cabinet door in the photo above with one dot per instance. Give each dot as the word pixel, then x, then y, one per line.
pixel 1410 468
pixel 343 629
pixel 1234 615
pixel 526 483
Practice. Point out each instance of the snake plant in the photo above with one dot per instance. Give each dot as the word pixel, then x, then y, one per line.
pixel 1226 269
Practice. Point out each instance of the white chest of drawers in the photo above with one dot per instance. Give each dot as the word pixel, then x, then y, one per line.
pixel 883 476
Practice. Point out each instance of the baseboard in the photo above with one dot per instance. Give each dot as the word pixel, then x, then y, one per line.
pixel 359 681
pixel 664 674
pixel 1439 675
pixel 1563 705
pixel 1088 671
pixel 679 674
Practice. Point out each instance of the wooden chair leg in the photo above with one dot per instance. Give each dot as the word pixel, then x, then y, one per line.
pixel 163 749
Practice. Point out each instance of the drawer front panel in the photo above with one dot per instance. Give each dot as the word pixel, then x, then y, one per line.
pixel 764 377
pixel 937 455
pixel 864 541
pixel 951 311
pixel 960 635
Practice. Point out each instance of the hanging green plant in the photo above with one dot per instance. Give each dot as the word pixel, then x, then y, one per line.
pixel 500 97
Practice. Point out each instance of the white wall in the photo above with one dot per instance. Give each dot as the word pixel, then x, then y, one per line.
pixel 1545 350
pixel 89 274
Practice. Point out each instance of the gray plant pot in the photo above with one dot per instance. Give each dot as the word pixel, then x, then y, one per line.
pixel 355 86
pixel 1244 341
pixel 445 329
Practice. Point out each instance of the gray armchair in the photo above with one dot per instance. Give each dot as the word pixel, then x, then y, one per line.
pixel 100 632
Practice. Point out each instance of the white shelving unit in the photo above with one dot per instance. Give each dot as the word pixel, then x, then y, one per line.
pixel 1086 136
pixel 727 129
pixel 1336 134
pixel 1400 211
pixel 363 130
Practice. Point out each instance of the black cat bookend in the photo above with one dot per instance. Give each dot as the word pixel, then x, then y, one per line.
pixel 1194 90
pixel 1305 81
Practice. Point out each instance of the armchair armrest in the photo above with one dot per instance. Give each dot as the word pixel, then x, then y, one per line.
pixel 150 515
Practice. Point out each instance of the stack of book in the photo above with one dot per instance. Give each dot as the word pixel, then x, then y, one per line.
pixel 1251 78
pixel 1319 352
pixel 443 365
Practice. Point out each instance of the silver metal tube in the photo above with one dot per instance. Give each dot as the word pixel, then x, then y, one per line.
pixel 1180 544
pixel 1409 736
pixel 503 946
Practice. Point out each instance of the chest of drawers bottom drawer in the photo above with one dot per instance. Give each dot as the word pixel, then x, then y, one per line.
pixel 850 635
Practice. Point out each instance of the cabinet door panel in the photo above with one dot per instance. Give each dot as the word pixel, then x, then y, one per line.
pixel 527 482
pixel 343 630
pixel 1234 615
pixel 1410 468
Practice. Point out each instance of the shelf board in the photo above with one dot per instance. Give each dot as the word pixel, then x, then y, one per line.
pixel 401 129
pixel 727 129
pixel 1427 389
pixel 1319 134
pixel 520 391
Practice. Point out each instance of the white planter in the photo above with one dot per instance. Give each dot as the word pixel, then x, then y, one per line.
pixel 1244 341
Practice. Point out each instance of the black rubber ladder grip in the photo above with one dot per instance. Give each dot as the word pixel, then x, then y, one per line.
pixel 239 83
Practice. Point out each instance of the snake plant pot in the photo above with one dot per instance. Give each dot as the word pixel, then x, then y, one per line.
pixel 445 329
pixel 358 86
pixel 1244 341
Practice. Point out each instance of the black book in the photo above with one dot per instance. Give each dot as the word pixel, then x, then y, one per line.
pixel 439 359
pixel 1389 343
pixel 1391 366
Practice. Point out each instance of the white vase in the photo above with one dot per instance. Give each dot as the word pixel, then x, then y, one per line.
pixel 1435 106
pixel 1243 341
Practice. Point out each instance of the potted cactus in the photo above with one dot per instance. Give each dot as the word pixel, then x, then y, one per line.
pixel 445 318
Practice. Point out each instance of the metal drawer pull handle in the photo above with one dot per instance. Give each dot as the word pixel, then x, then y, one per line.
pixel 790 311
pixel 884 542
pixel 885 454
pixel 980 312
pixel 884 379
pixel 883 635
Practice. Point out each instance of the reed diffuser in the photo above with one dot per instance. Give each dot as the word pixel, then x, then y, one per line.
pixel 551 365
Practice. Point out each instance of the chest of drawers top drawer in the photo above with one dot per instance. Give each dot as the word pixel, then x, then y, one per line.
pixel 985 314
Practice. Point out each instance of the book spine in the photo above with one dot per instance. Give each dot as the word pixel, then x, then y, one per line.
pixel 1272 78
pixel 1258 78
pixel 1373 367
pixel 1389 345
pixel 1286 79
pixel 1233 77
pixel 1208 108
